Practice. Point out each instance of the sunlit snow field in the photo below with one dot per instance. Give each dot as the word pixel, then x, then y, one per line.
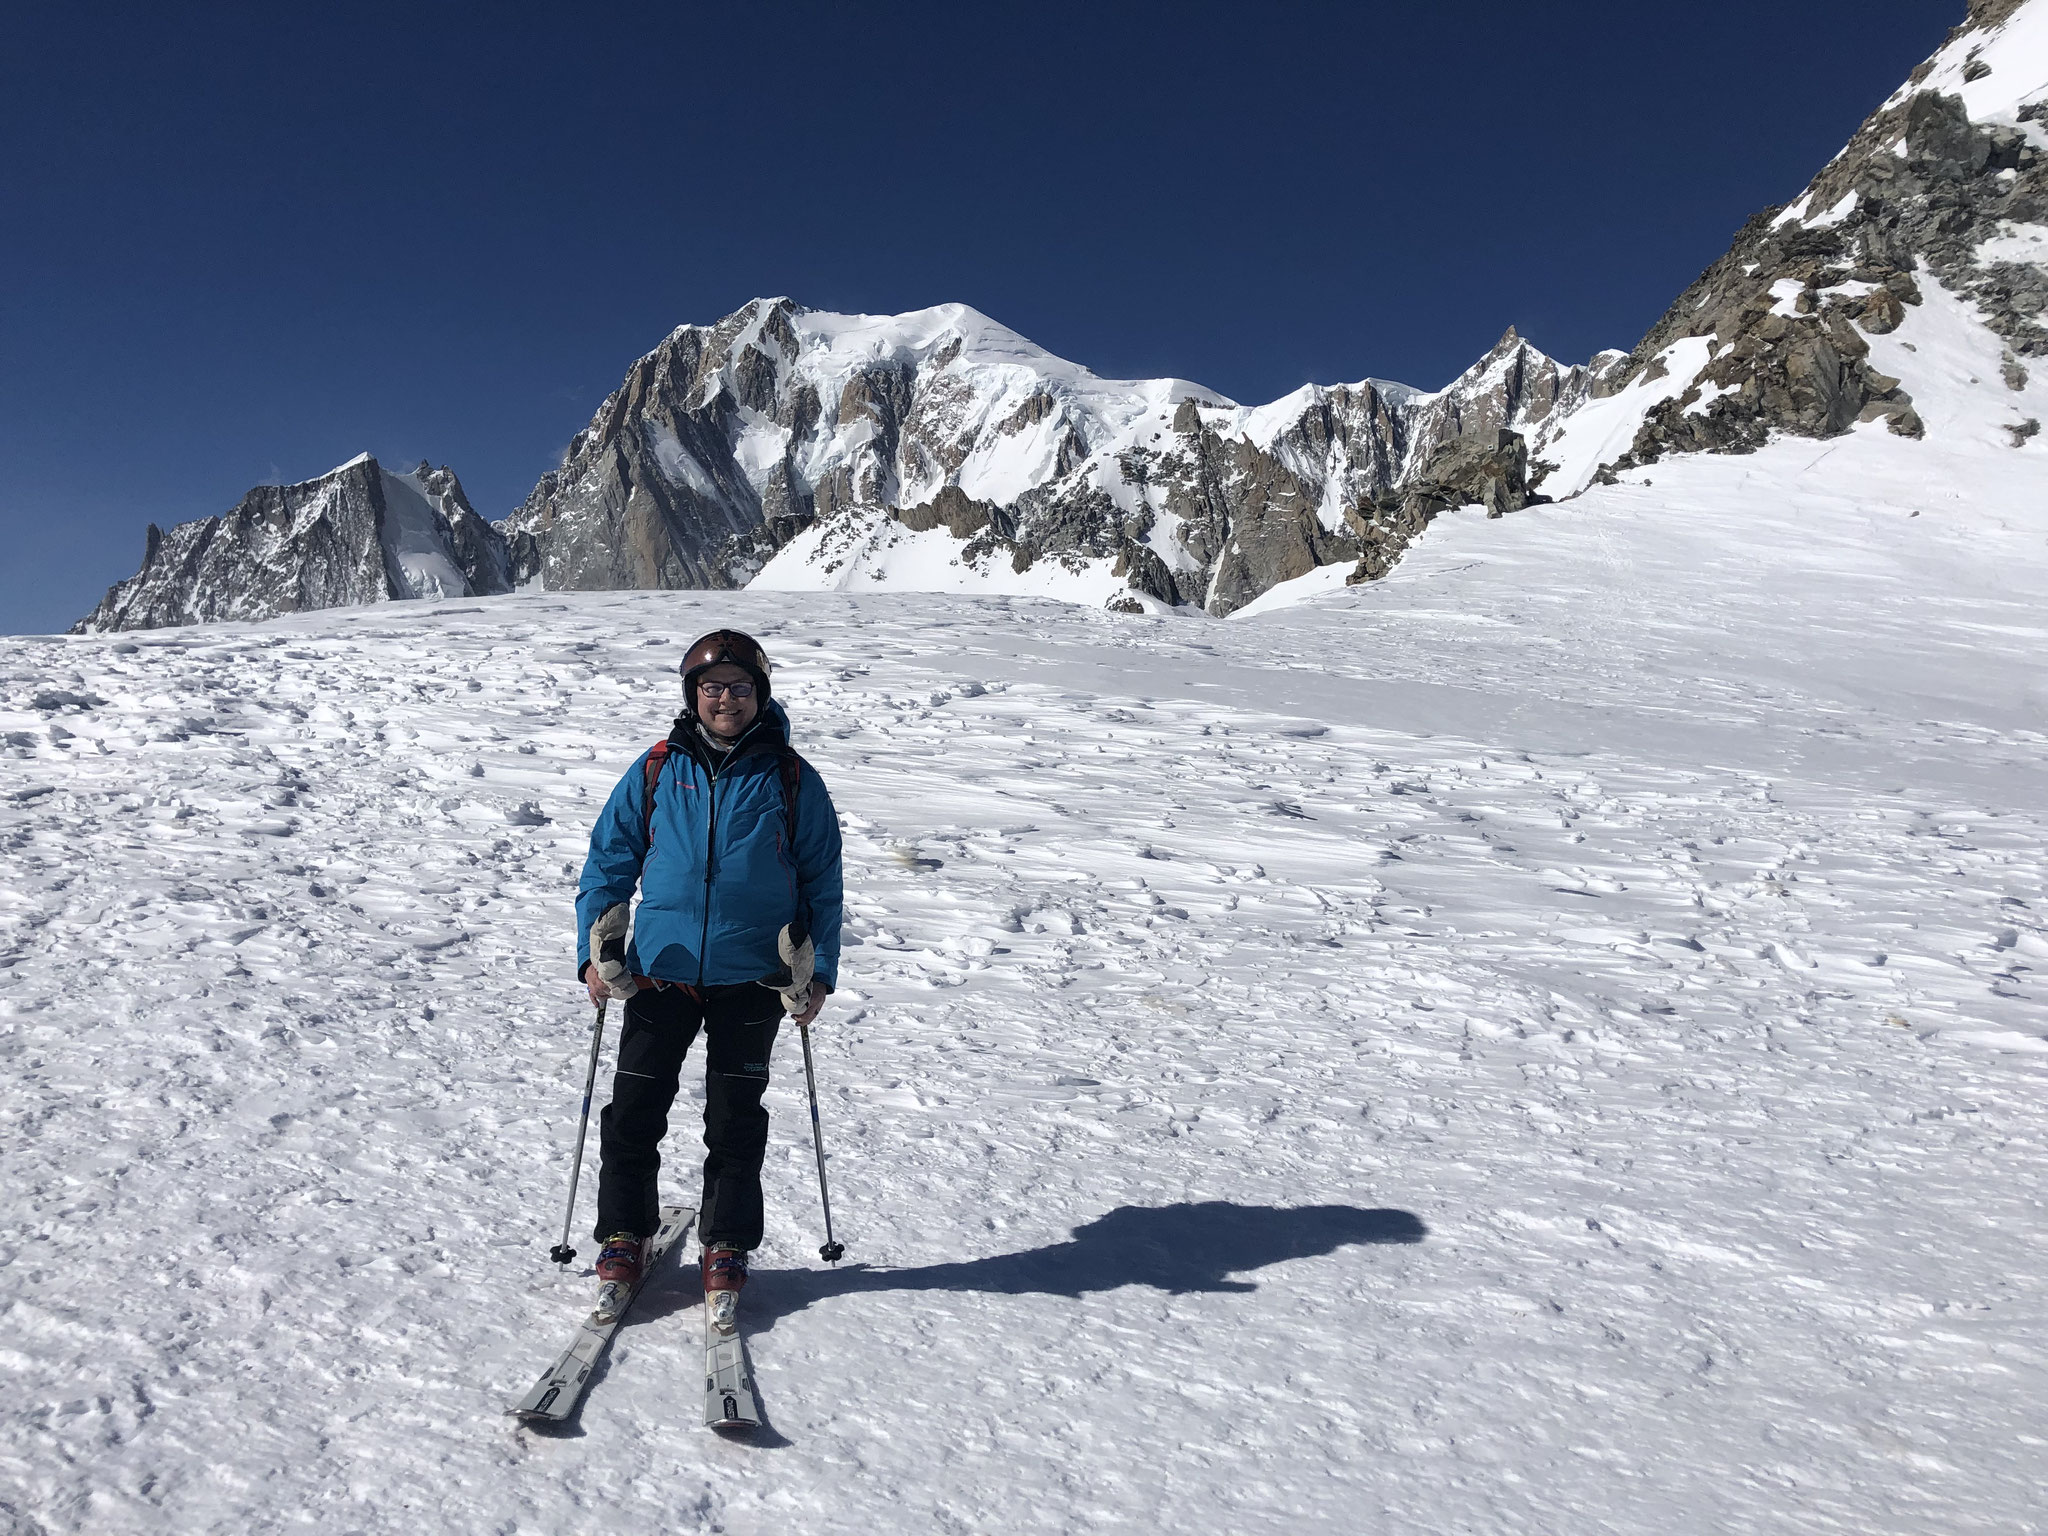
pixel 1554 1041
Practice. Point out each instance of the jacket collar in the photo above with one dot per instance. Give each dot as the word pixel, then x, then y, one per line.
pixel 768 733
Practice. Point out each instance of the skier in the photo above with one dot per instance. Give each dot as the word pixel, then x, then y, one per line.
pixel 737 853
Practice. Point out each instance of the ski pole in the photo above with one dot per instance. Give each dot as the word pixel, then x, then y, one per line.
pixel 830 1252
pixel 562 1253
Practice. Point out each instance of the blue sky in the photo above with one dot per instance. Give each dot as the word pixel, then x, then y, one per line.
pixel 246 243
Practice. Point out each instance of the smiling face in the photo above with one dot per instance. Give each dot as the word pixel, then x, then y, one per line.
pixel 725 716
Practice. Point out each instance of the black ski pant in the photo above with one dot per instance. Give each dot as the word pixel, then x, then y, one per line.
pixel 739 1025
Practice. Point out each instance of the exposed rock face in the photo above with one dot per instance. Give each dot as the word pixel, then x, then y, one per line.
pixel 1513 387
pixel 1464 471
pixel 1933 185
pixel 650 494
pixel 358 534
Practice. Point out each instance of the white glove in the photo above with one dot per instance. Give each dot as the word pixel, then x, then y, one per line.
pixel 801 959
pixel 608 952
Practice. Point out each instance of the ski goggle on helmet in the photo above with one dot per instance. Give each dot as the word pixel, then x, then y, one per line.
pixel 719 647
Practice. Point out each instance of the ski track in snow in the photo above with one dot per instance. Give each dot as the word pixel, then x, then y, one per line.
pixel 1553 1041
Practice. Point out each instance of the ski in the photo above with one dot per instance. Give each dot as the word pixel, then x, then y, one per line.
pixel 728 1384
pixel 555 1396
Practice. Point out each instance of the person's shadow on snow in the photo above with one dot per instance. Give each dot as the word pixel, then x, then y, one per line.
pixel 1173 1248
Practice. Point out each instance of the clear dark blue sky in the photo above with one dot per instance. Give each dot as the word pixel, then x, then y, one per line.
pixel 242 243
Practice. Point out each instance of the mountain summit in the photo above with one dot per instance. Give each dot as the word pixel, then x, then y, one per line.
pixel 800 448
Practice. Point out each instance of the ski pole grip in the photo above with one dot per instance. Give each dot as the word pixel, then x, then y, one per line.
pixel 799 963
pixel 608 933
pixel 799 956
pixel 608 944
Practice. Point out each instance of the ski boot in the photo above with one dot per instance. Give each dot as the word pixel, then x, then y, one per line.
pixel 618 1272
pixel 725 1271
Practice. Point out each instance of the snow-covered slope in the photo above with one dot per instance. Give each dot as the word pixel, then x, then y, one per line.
pixel 357 534
pixel 1550 1041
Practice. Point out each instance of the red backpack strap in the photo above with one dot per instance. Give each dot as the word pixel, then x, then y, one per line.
pixel 656 756
pixel 791 768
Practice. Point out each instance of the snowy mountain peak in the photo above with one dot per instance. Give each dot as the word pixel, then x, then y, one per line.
pixel 798 447
pixel 357 534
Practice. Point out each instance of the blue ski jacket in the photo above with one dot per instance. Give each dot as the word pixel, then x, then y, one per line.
pixel 724 869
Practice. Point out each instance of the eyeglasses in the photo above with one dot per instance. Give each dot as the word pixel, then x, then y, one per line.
pixel 719 690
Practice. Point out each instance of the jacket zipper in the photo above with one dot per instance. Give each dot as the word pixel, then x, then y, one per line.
pixel 711 850
pixel 710 863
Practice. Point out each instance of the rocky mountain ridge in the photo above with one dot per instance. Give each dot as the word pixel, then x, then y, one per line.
pixel 357 534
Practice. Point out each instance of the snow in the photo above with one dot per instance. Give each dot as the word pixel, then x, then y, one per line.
pixel 1784 293
pixel 837 346
pixel 1795 212
pixel 1394 392
pixel 415 536
pixel 2015 241
pixel 759 447
pixel 995 415
pixel 1798 212
pixel 678 463
pixel 921 331
pixel 1324 579
pixel 1551 1041
pixel 868 551
pixel 1163 538
pixel 991 374
pixel 1001 466
pixel 1709 393
pixel 2016 52
pixel 1843 207
pixel 1601 430
pixel 1339 496
pixel 1951 364
pixel 1261 424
